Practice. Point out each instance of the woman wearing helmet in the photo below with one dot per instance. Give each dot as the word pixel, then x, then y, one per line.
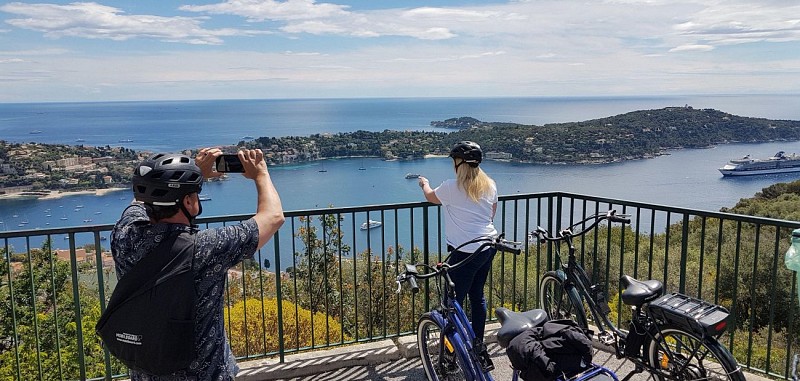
pixel 469 203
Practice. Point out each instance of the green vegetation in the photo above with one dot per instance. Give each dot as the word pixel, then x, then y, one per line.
pixel 633 135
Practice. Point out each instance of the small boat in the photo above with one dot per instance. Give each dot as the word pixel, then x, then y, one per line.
pixel 412 175
pixel 204 197
pixel 79 140
pixel 87 220
pixel 370 224
pixel 34 132
pixel 247 137
pixel 63 218
pixel 322 169
pixel 125 140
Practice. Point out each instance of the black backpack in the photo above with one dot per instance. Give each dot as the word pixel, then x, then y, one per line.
pixel 150 319
pixel 556 348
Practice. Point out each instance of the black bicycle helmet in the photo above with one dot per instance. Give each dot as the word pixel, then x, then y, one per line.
pixel 163 179
pixel 470 152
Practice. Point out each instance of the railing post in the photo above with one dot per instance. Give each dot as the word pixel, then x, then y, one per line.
pixel 279 295
pixel 77 304
pixel 684 252
pixel 426 251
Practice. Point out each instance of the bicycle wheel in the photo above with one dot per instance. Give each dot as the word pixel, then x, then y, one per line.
pixel 429 333
pixel 560 303
pixel 682 355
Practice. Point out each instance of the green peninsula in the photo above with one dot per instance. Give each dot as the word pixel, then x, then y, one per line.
pixel 641 134
pixel 634 135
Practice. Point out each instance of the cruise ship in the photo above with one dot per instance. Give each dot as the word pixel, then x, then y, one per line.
pixel 779 163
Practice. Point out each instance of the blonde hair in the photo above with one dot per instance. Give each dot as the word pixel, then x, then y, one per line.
pixel 474 181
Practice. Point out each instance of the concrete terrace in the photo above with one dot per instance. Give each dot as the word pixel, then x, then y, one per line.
pixel 396 360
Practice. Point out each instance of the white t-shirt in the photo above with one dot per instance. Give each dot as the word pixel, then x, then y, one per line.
pixel 464 219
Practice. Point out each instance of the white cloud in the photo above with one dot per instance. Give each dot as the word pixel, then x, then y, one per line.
pixel 262 10
pixel 542 47
pixel 692 48
pixel 737 22
pixel 96 21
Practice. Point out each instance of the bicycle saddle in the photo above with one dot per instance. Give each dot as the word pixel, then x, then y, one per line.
pixel 638 292
pixel 513 323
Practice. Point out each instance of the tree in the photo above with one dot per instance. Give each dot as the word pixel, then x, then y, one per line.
pixel 38 322
pixel 253 327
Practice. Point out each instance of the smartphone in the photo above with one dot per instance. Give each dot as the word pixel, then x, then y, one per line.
pixel 229 162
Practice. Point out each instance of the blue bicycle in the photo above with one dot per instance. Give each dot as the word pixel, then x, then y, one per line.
pixel 445 336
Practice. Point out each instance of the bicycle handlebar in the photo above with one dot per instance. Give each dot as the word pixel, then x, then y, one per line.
pixel 611 215
pixel 411 274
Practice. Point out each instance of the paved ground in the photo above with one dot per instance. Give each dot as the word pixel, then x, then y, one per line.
pixel 410 369
pixel 392 360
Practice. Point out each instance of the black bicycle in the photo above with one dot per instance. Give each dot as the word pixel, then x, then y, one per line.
pixel 672 336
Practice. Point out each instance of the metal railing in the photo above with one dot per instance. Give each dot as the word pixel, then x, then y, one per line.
pixel 323 281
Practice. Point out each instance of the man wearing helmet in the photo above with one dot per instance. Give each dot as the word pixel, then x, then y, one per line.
pixel 166 189
pixel 469 204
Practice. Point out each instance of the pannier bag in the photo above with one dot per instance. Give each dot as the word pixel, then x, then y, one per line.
pixel 558 348
pixel 689 313
pixel 149 322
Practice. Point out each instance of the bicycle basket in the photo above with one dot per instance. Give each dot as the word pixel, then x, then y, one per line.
pixel 690 313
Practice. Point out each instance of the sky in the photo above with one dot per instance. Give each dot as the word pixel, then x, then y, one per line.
pixel 110 50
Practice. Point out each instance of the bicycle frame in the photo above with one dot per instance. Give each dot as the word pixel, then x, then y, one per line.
pixel 455 326
pixel 458 331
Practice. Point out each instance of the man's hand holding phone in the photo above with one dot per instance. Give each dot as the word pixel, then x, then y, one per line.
pixel 249 162
pixel 253 162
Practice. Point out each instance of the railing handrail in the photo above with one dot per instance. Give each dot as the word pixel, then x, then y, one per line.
pixel 410 205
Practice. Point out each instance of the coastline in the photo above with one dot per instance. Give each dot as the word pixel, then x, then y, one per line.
pixel 53 195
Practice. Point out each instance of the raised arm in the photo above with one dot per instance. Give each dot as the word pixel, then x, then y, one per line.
pixel 269 212
pixel 430 195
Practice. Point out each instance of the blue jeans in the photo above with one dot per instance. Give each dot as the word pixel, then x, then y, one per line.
pixel 469 280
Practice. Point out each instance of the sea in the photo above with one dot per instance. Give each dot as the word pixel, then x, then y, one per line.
pixel 684 178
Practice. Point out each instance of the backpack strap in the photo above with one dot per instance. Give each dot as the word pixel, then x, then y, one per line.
pixel 158 265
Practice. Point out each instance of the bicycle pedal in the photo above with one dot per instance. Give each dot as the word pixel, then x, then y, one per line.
pixel 482 354
pixel 486 362
pixel 606 339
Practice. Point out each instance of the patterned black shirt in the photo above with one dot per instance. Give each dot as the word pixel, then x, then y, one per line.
pixel 216 251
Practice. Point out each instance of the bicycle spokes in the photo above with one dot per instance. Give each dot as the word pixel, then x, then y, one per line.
pixel 685 357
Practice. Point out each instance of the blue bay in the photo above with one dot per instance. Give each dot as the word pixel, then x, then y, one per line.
pixel 685 178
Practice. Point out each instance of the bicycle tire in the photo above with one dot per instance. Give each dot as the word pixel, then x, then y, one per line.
pixel 711 362
pixel 560 303
pixel 429 333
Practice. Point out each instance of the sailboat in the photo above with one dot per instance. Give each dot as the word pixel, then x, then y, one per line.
pixel 322 169
pixel 362 167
